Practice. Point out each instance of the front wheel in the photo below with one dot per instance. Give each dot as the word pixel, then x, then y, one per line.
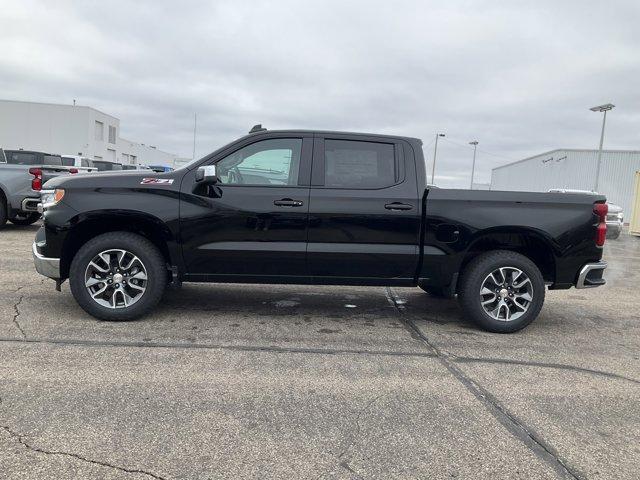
pixel 25 219
pixel 501 291
pixel 118 276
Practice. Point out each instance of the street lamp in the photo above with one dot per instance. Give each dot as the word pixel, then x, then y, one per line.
pixel 601 108
pixel 435 152
pixel 473 166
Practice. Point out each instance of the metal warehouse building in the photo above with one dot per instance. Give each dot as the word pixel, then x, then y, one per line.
pixel 576 169
pixel 73 130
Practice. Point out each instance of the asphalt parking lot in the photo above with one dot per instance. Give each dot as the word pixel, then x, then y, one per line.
pixel 250 381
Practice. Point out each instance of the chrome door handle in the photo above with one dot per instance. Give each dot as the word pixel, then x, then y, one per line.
pixel 398 206
pixel 288 202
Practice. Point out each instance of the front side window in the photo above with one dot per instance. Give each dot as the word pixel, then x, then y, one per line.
pixel 355 164
pixel 269 162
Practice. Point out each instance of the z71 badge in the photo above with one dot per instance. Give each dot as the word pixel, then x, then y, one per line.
pixel 156 181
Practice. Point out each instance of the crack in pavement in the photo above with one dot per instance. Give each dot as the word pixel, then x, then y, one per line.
pixel 204 346
pixel 516 427
pixel 556 366
pixel 353 438
pixel 28 446
pixel 16 315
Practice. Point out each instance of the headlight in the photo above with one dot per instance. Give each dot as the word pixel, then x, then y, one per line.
pixel 49 198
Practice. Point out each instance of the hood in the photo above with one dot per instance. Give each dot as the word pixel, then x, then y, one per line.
pixel 121 178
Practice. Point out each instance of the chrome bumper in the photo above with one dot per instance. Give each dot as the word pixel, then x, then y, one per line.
pixel 30 204
pixel 590 275
pixel 49 267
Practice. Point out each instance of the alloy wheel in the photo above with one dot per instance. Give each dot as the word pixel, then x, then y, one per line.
pixel 116 278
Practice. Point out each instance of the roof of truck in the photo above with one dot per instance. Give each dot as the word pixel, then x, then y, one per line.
pixel 257 129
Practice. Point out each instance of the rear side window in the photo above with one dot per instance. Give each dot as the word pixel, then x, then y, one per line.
pixel 22 158
pixel 355 164
pixel 68 161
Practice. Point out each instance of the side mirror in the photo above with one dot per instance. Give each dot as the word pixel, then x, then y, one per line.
pixel 207 175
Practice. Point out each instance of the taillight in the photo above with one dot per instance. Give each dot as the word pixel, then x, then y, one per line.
pixel 73 170
pixel 601 210
pixel 36 182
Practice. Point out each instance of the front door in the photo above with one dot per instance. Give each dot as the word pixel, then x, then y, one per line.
pixel 253 223
pixel 364 211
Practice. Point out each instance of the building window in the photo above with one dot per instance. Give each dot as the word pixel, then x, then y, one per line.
pixel 112 134
pixel 133 159
pixel 97 157
pixel 99 133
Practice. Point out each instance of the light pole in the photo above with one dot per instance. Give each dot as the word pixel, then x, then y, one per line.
pixel 435 152
pixel 473 165
pixel 601 108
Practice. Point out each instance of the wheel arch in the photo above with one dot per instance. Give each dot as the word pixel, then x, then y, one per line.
pixel 531 243
pixel 90 225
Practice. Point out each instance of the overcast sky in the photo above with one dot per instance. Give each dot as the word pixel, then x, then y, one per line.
pixel 518 77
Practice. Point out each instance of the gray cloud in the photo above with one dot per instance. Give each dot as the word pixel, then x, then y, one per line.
pixel 517 76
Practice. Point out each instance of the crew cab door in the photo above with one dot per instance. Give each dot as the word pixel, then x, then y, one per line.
pixel 252 224
pixel 364 211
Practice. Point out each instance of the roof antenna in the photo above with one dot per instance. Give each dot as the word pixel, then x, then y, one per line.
pixel 257 128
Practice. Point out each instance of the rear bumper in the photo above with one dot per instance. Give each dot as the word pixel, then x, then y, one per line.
pixel 591 275
pixel 30 204
pixel 49 267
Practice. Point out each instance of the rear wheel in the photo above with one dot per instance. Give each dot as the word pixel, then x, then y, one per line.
pixel 502 291
pixel 25 218
pixel 118 276
pixel 3 212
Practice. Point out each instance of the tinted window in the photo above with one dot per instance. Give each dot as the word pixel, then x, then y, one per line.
pixel 353 164
pixel 22 158
pixel 269 162
pixel 68 161
pixel 52 160
pixel 85 162
pixel 104 166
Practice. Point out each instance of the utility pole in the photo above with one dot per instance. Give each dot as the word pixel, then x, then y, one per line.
pixel 473 165
pixel 195 123
pixel 601 108
pixel 435 153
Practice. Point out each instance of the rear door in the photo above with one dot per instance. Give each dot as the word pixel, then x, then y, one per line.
pixel 252 225
pixel 364 211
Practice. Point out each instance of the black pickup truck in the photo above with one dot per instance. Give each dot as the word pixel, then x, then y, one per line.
pixel 315 207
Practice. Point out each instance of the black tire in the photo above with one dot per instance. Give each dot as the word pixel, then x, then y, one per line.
pixel 141 247
pixel 28 219
pixel 437 292
pixel 472 280
pixel 3 212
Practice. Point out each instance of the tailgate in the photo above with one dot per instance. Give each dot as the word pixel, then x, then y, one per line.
pixel 52 171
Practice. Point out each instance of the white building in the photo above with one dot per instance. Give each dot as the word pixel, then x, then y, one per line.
pixel 576 169
pixel 73 130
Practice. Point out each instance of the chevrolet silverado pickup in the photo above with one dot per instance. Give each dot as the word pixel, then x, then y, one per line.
pixel 315 207
pixel 22 174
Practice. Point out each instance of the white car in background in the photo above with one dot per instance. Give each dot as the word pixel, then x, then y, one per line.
pixel 82 163
pixel 615 216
